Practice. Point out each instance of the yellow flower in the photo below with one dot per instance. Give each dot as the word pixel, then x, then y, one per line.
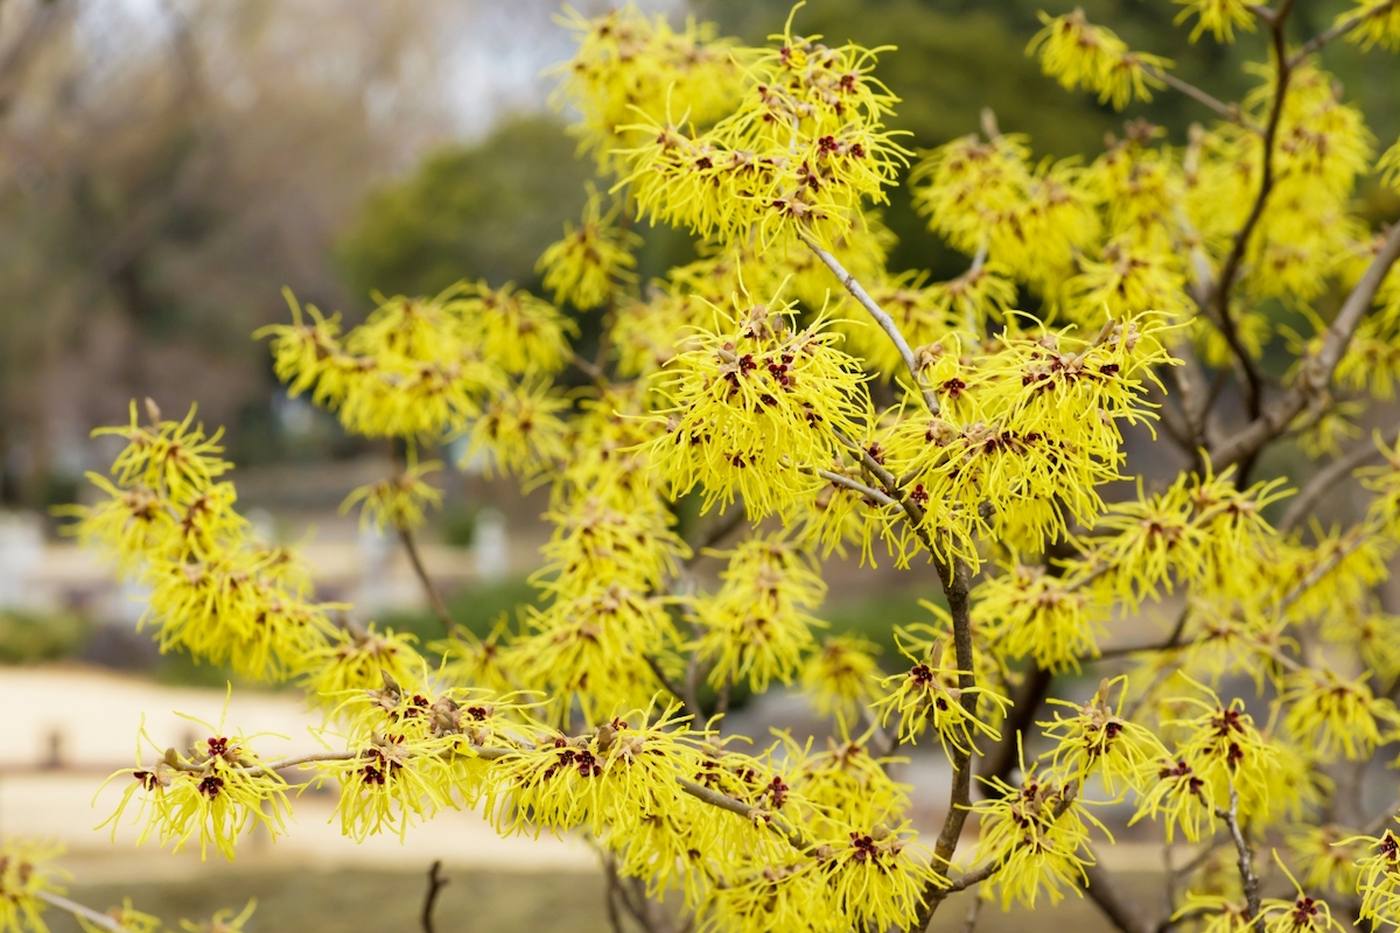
pixel 1098 740
pixel 1379 884
pixel 1079 54
pixel 930 694
pixel 593 261
pixel 1333 714
pixel 26 874
pixel 754 407
pixel 1300 914
pixel 1218 17
pixel 1379 26
pixel 1328 857
pixel 757 627
pixel 840 676
pixel 400 502
pixel 361 659
pixel 223 921
pixel 1038 833
pixel 520 431
pixel 217 789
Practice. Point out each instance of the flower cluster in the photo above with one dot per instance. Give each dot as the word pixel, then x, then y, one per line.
pixel 168 517
pixel 755 407
pixel 802 147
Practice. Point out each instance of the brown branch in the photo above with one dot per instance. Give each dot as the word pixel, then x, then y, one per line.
pixel 1338 30
pixel 957 583
pixel 1229 272
pixel 751 813
pixel 1226 111
pixel 1318 370
pixel 1000 761
pixel 883 319
pixel 435 599
pixel 1245 860
pixel 1172 640
pixel 970 921
pixel 590 369
pixel 1101 890
pixel 436 882
pixel 715 534
pixel 613 895
pixel 1323 481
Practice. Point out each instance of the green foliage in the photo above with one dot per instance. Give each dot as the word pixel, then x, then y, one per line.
pixel 487 208
pixel 29 637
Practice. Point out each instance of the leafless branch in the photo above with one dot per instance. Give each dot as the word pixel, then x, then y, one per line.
pixel 870 492
pixel 430 589
pixel 1317 370
pixel 1341 28
pixel 1106 897
pixel 957 583
pixel 82 911
pixel 1226 111
pixel 1244 853
pixel 887 324
pixel 1229 272
pixel 436 882
pixel 1321 482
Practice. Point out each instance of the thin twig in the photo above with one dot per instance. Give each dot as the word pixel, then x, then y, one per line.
pixel 869 492
pixel 970 921
pixel 1104 893
pixel 1245 854
pixel 957 582
pixel 1341 28
pixel 1225 285
pixel 435 599
pixel 1000 761
pixel 1226 111
pixel 887 324
pixel 715 534
pixel 436 882
pixel 1325 479
pixel 590 369
pixel 81 910
pixel 751 813
pixel 1317 370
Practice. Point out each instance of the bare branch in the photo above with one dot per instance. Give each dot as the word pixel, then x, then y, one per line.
pixel 1229 272
pixel 436 882
pixel 886 322
pixel 1245 854
pixel 751 813
pixel 435 599
pixel 1319 369
pixel 1105 895
pixel 957 583
pixel 96 918
pixel 1226 111
pixel 1321 482
pixel 870 492
pixel 1341 28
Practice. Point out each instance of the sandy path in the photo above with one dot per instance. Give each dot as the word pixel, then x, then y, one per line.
pixel 97 716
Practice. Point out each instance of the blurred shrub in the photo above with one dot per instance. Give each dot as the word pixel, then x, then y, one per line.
pixel 28 637
pixel 477 606
pixel 458 525
pixel 486 210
